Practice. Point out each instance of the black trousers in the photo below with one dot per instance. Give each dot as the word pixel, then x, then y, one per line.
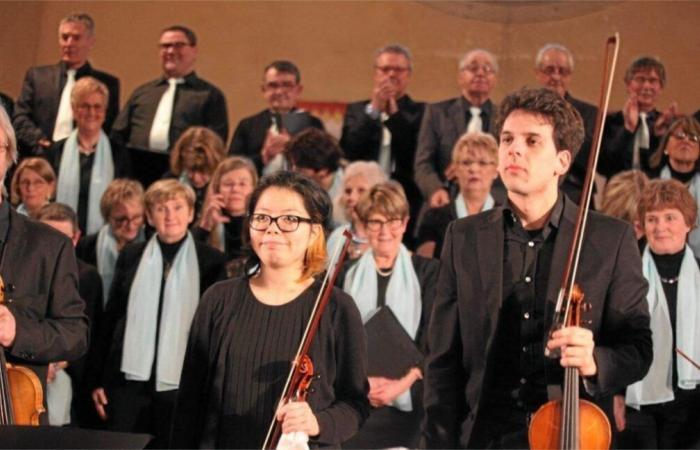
pixel 135 407
pixel 387 427
pixel 674 424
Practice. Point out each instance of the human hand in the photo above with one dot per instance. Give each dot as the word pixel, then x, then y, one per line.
pixel 297 416
pixel 8 327
pixel 99 398
pixel 439 198
pixel 630 112
pixel 619 412
pixel 274 144
pixel 576 346
pixel 53 368
pixel 212 210
pixel 383 391
pixel 663 123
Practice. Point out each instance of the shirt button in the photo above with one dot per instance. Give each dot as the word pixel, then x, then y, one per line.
pixel 524 349
pixel 528 279
pixel 530 244
pixel 526 315
pixel 523 381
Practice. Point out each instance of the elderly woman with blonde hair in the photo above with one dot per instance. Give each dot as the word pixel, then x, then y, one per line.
pixel 621 197
pixel 87 160
pixel 156 288
pixel 33 186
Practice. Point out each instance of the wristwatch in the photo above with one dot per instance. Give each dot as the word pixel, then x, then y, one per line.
pixel 372 112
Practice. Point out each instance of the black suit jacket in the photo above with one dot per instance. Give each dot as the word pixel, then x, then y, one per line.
pixel 37 105
pixel 443 123
pixel 573 183
pixel 41 290
pixel 362 138
pixel 618 145
pixel 105 362
pixel 469 297
pixel 249 137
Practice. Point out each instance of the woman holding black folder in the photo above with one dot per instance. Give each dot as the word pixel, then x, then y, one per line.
pixel 393 290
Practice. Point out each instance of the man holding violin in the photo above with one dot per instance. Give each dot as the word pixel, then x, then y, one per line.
pixel 500 275
pixel 42 319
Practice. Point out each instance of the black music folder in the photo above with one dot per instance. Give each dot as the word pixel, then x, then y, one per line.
pixel 18 436
pixel 390 350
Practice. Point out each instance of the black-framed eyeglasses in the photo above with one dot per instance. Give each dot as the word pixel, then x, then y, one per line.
pixel 681 135
pixel 475 68
pixel 376 225
pixel 173 45
pixel 551 70
pixel 286 223
pixel 387 69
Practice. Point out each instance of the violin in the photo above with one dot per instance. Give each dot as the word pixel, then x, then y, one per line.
pixel 572 423
pixel 21 395
pixel 302 372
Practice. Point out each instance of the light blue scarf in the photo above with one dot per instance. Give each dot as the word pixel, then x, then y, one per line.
pixel 403 296
pixel 107 254
pixel 461 206
pixel 21 209
pixel 180 299
pixel 694 188
pixel 68 188
pixel 59 395
pixel 656 387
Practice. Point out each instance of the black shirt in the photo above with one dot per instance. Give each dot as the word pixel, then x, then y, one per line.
pixel 521 373
pixel 86 162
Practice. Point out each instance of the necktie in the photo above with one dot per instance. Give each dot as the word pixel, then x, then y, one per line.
pixel 475 123
pixel 384 159
pixel 159 138
pixel 64 118
pixel 641 139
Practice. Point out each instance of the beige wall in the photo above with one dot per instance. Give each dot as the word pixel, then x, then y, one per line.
pixel 333 42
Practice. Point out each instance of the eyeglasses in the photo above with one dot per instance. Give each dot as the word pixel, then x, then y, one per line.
pixel 174 45
pixel 551 70
pixel 97 107
pixel 681 135
pixel 641 79
pixel 124 220
pixel 387 69
pixel 479 162
pixel 376 225
pixel 286 223
pixel 39 182
pixel 475 68
pixel 272 85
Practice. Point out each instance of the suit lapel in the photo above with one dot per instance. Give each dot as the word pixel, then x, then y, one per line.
pixel 456 113
pixel 489 251
pixel 16 241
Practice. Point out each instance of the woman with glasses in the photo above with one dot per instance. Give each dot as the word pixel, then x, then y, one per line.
pixel 474 158
pixel 122 209
pixel 678 158
pixel 224 211
pixel 194 157
pixel 157 284
pixel 389 276
pixel 247 330
pixel 662 408
pixel 87 160
pixel 33 186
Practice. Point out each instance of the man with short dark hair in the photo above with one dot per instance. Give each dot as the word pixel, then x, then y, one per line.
pixel 43 112
pixel 263 136
pixel 633 134
pixel 317 155
pixel 444 122
pixel 499 280
pixel 159 111
pixel 385 127
pixel 554 67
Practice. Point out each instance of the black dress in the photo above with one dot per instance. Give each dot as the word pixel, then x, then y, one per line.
pixel 238 359
pixel 389 427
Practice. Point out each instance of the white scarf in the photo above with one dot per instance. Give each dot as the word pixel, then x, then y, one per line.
pixel 461 206
pixel 180 299
pixel 656 387
pixel 403 296
pixel 107 254
pixel 68 189
pixel 21 209
pixel 694 188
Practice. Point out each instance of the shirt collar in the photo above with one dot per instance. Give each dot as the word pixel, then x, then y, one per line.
pixel 511 217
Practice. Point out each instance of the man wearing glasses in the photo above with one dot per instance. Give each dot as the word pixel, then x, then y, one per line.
pixel 43 112
pixel 262 137
pixel 384 128
pixel 444 122
pixel 159 111
pixel 632 135
pixel 554 66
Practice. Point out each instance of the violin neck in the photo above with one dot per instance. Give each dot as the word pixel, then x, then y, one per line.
pixel 570 436
pixel 7 416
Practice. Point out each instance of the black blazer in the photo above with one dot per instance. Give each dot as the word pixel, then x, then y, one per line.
pixel 362 138
pixel 469 297
pixel 120 158
pixel 104 367
pixel 41 290
pixel 37 104
pixel 618 145
pixel 249 137
pixel 443 123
